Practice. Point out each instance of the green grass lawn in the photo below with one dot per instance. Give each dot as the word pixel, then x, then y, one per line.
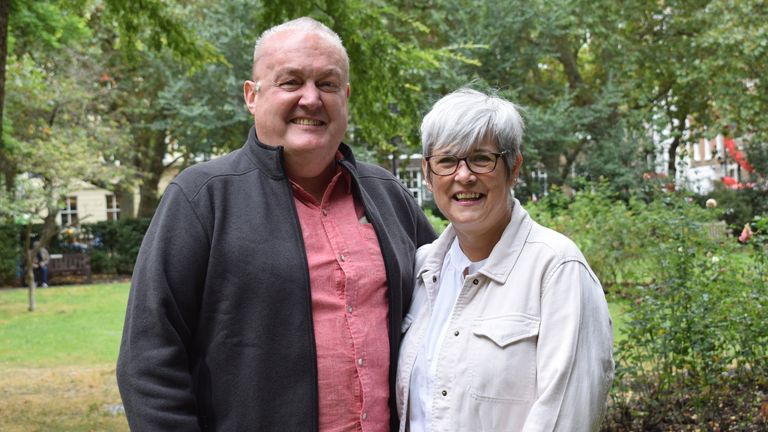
pixel 73 325
pixel 617 308
pixel 82 325
pixel 57 364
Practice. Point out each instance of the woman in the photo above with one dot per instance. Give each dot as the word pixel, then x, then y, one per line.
pixel 509 328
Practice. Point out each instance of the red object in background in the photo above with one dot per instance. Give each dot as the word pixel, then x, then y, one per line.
pixel 732 183
pixel 737 155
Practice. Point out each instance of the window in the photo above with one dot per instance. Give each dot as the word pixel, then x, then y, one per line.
pixel 69 212
pixel 113 208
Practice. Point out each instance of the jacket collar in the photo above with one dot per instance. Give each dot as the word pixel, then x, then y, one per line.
pixel 507 251
pixel 503 257
pixel 269 159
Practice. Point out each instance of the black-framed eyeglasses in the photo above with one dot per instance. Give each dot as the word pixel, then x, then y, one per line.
pixel 478 163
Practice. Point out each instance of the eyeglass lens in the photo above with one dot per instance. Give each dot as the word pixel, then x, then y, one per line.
pixel 478 163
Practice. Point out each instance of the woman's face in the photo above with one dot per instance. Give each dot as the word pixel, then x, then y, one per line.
pixel 476 204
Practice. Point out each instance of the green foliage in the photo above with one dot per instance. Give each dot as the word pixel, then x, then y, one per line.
pixel 696 345
pixel 438 223
pixel 738 206
pixel 115 244
pixel 72 325
pixel 157 25
pixel 45 24
pixel 695 335
pixel 611 233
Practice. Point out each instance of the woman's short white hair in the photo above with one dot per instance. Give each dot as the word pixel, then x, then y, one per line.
pixel 306 24
pixel 466 117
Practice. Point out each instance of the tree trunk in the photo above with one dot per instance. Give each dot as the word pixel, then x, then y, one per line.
pixel 127 204
pixel 148 198
pixel 6 167
pixel 152 168
pixel 49 230
pixel 674 145
pixel 672 162
pixel 29 272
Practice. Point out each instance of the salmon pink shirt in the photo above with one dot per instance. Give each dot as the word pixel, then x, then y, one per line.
pixel 349 309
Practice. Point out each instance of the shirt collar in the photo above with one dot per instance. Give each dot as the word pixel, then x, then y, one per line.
pixel 503 257
pixel 341 177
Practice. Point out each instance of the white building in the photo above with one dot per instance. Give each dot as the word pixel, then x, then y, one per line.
pixel 705 163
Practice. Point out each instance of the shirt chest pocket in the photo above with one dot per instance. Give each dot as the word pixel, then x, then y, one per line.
pixel 502 352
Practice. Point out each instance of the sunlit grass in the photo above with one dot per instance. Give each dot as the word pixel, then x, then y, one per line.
pixel 72 325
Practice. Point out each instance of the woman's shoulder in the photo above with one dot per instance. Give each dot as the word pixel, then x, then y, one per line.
pixel 557 242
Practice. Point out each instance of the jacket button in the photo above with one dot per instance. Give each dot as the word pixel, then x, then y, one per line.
pixel 456 333
pixel 434 278
pixel 475 281
pixel 445 393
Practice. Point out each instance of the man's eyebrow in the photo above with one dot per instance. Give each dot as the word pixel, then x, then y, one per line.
pixel 331 71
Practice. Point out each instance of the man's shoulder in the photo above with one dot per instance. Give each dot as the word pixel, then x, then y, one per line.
pixel 374 172
pixel 193 178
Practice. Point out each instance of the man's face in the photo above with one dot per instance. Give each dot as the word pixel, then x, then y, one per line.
pixel 301 103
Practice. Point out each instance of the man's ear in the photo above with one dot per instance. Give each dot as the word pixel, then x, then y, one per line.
pixel 250 94
pixel 349 90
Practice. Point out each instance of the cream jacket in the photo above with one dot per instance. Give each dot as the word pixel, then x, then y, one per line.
pixel 528 345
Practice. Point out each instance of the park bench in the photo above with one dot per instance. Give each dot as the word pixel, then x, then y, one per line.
pixel 69 264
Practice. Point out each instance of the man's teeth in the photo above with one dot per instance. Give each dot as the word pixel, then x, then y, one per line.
pixel 467 195
pixel 307 122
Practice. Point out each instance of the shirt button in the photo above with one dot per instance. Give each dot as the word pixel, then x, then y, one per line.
pixel 456 333
pixel 475 281
pixel 361 361
pixel 349 309
pixel 434 278
pixel 324 212
pixel 364 416
pixel 445 393
pixel 341 258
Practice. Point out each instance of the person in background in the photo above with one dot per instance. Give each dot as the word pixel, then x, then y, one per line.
pixel 509 328
pixel 40 264
pixel 270 287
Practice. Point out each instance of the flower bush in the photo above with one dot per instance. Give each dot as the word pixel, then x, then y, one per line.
pixel 693 350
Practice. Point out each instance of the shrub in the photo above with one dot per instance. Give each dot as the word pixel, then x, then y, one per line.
pixel 694 344
pixel 438 223
pixel 9 253
pixel 115 244
pixel 610 232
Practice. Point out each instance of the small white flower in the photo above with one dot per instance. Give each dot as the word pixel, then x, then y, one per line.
pixel 715 259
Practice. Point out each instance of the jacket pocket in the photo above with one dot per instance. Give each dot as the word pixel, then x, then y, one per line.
pixel 502 353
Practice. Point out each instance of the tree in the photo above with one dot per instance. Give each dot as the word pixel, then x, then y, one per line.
pixel 5 10
pixel 58 140
pixel 42 27
pixel 547 57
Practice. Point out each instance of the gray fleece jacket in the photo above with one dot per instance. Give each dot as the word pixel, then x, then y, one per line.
pixel 218 331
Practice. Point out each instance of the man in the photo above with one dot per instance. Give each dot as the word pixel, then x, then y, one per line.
pixel 40 264
pixel 270 287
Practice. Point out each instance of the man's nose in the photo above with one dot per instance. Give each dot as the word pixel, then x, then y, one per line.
pixel 310 96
